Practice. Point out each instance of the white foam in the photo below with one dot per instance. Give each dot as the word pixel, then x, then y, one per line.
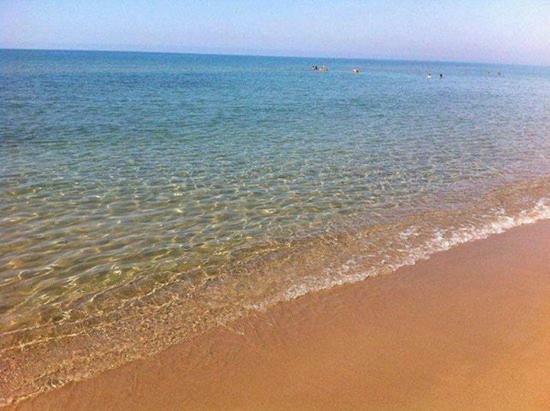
pixel 441 240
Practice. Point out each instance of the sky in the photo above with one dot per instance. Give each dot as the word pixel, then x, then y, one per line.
pixel 494 31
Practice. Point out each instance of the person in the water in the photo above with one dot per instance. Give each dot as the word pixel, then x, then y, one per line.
pixel 440 75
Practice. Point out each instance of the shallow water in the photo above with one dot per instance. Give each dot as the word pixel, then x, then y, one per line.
pixel 147 197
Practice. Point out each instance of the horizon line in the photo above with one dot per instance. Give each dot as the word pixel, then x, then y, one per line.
pixel 394 59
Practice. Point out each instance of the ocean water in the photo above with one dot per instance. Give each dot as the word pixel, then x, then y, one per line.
pixel 145 198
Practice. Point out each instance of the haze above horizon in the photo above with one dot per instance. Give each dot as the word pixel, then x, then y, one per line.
pixel 494 32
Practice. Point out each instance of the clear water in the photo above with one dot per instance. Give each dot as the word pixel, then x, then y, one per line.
pixel 147 197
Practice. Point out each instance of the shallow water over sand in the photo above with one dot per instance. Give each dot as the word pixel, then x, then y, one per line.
pixel 148 197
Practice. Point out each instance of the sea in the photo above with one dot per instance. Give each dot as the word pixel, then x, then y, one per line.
pixel 148 197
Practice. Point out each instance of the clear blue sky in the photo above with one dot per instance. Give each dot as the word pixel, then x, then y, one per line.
pixel 500 31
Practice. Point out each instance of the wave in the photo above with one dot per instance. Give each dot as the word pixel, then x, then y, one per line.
pixel 442 240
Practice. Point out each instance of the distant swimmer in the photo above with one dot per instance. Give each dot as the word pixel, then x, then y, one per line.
pixel 315 68
pixel 440 75
pixel 323 68
pixel 429 75
pixel 356 70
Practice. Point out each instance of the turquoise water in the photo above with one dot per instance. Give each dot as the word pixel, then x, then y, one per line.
pixel 147 197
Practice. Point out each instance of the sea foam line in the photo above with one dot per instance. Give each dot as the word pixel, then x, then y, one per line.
pixel 442 240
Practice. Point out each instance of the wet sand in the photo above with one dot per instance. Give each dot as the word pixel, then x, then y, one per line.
pixel 467 329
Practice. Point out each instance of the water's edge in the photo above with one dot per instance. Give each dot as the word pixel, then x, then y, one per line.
pixel 439 243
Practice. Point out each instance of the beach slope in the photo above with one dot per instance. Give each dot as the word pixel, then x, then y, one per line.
pixel 467 329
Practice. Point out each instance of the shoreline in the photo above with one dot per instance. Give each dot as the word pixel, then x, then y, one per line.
pixel 467 328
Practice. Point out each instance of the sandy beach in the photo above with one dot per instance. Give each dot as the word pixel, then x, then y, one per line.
pixel 467 329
